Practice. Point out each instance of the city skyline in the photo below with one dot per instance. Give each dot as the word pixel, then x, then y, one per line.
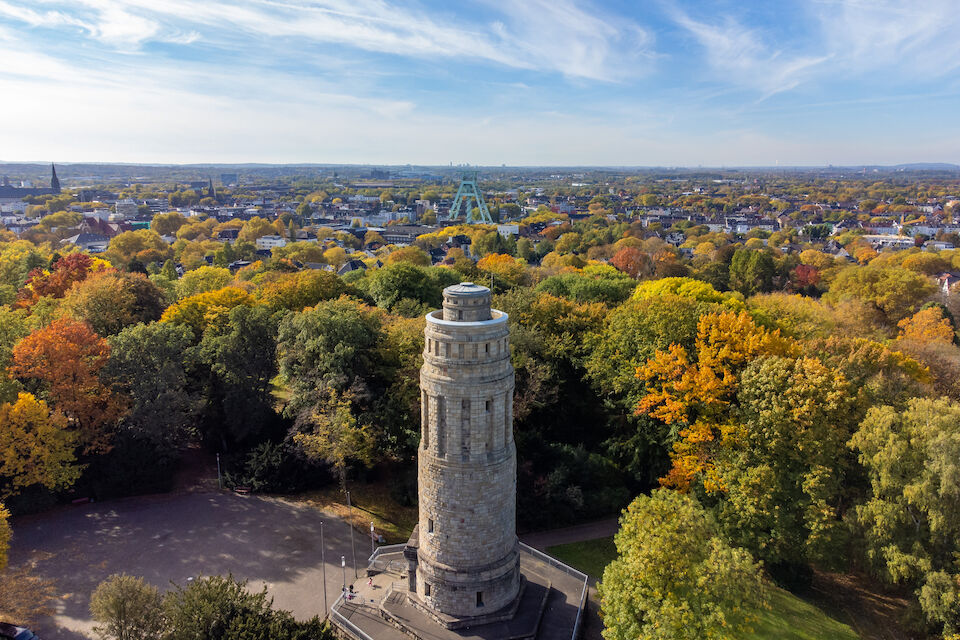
pixel 534 83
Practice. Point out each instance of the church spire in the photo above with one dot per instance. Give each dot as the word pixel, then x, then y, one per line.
pixel 54 180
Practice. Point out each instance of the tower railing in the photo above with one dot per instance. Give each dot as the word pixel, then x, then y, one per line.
pixel 344 622
pixel 579 575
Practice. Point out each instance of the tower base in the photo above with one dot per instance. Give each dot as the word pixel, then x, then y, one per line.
pixel 548 608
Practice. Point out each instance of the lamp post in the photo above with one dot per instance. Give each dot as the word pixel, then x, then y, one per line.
pixel 373 541
pixel 353 544
pixel 219 478
pixel 343 568
pixel 323 563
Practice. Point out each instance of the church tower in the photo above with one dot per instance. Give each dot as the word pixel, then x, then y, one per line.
pixel 467 563
pixel 54 180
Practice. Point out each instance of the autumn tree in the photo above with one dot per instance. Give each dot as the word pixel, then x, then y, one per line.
pixel 203 309
pixel 927 325
pixel 297 291
pixel 169 223
pixel 505 269
pixel 256 227
pixel 55 282
pixel 143 245
pixel 410 255
pixel 61 364
pixel 202 280
pixel 694 390
pixel 109 301
pixel 675 577
pixel 35 447
pixel 893 291
pixel 633 262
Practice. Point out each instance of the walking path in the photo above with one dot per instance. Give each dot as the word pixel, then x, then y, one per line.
pixel 579 533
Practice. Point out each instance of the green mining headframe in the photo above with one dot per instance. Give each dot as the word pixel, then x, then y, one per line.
pixel 470 191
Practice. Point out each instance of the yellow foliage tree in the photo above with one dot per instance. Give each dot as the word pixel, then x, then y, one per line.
pixel 507 268
pixel 927 325
pixel 35 447
pixel 203 309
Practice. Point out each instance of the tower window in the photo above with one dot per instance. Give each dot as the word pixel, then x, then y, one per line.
pixel 487 406
pixel 487 347
pixel 479 598
pixel 426 589
pixel 429 525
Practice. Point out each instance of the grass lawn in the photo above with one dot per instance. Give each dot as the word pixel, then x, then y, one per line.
pixel 789 617
pixel 590 556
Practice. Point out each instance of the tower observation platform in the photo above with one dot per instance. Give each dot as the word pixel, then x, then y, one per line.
pixel 463 573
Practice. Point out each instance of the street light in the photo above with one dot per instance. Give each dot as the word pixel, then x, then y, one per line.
pixel 343 568
pixel 323 563
pixel 373 540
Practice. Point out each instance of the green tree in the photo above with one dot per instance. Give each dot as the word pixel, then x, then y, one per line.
pixel 221 608
pixel 330 347
pixel 783 464
pixel 752 271
pixel 148 364
pixel 169 271
pixel 395 282
pixel 239 359
pixel 675 578
pixel 330 432
pixel 127 608
pixel 911 522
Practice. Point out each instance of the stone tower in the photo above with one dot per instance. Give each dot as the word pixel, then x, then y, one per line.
pixel 467 562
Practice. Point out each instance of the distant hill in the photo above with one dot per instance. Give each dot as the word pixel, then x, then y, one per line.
pixel 927 166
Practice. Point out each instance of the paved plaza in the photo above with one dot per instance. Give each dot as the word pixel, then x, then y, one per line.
pixel 175 538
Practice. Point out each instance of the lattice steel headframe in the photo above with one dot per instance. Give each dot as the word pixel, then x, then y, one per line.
pixel 470 191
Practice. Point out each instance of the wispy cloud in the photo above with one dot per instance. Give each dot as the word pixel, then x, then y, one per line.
pixel 740 55
pixel 903 36
pixel 554 36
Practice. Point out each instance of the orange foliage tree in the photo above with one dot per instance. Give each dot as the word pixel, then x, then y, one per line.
pixel 693 391
pixel 633 262
pixel 61 364
pixel 927 325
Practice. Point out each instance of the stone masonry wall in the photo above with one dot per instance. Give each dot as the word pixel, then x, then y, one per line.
pixel 468 560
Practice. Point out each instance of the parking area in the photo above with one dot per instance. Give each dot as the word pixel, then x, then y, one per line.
pixel 175 538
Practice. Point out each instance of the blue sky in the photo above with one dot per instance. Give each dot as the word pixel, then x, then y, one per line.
pixel 520 82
